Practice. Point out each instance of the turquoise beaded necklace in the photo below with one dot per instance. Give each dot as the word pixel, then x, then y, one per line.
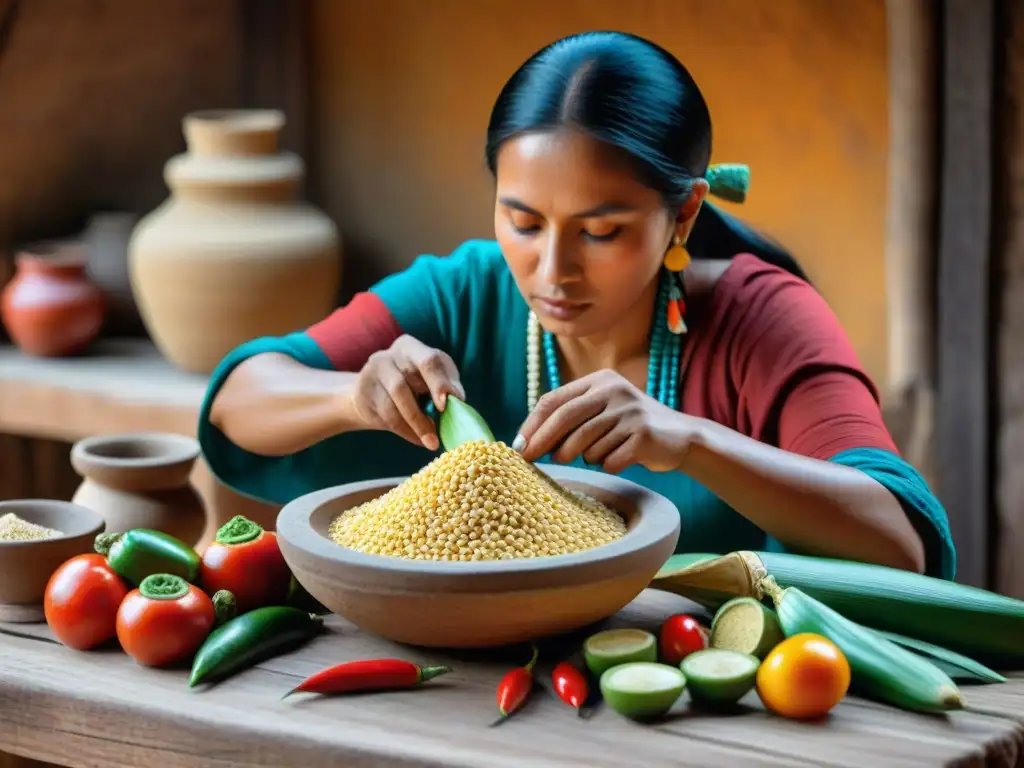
pixel 728 181
pixel 662 369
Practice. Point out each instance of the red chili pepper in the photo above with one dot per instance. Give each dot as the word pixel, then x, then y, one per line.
pixel 368 675
pixel 514 688
pixel 570 685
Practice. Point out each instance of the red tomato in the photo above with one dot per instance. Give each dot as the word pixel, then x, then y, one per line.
pixel 158 631
pixel 81 601
pixel 680 636
pixel 253 571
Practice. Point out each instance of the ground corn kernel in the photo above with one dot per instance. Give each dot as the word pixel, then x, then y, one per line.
pixel 14 528
pixel 480 501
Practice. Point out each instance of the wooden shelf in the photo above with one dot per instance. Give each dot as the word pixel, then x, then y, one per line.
pixel 121 385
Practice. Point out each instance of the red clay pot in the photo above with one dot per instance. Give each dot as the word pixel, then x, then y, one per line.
pixel 50 308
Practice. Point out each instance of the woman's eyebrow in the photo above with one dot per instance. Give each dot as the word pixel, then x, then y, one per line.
pixel 604 209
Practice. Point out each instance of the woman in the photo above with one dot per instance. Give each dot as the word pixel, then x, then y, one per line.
pixel 586 335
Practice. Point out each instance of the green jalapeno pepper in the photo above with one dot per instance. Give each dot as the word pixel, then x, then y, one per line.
pixel 141 552
pixel 251 638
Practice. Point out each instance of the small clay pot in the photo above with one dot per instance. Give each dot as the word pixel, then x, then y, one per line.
pixel 50 308
pixel 141 480
pixel 26 566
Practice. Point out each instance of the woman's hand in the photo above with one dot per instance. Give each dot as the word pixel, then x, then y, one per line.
pixel 385 393
pixel 607 421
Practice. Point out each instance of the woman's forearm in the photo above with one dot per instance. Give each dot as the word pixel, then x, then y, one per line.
pixel 813 506
pixel 272 405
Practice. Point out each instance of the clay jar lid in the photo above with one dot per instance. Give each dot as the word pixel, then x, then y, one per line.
pixel 136 461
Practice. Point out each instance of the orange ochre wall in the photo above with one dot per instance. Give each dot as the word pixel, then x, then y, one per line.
pixel 402 90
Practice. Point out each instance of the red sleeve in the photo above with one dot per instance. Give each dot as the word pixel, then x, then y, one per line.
pixel 797 379
pixel 349 335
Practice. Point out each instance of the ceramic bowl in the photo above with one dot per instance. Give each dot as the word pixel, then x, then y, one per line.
pixel 485 604
pixel 26 566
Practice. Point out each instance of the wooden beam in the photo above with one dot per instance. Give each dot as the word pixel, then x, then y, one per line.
pixel 964 429
pixel 275 65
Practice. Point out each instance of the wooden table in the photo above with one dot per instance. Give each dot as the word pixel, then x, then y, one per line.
pixel 99 709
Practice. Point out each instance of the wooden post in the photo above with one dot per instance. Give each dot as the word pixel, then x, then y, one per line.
pixel 275 65
pixel 964 430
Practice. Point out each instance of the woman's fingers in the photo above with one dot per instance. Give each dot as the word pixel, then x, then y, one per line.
pixel 598 452
pixel 623 456
pixel 436 369
pixel 582 440
pixel 401 393
pixel 558 422
pixel 546 406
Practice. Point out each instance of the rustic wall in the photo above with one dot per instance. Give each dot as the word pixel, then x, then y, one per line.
pixel 93 93
pixel 1009 259
pixel 92 96
pixel 797 88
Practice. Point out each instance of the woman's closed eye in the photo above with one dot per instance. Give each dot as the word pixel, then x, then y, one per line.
pixel 603 235
pixel 525 229
pixel 597 235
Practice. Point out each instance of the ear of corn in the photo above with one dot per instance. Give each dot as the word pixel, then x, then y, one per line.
pixel 977 623
pixel 461 423
pixel 880 669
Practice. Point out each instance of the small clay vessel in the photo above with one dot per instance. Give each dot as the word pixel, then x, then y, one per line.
pixel 50 308
pixel 141 480
pixel 26 566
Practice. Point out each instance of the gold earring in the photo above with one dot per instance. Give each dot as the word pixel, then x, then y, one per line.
pixel 677 259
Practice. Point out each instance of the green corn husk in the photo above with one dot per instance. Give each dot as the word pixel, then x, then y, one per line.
pixel 974 622
pixel 460 423
pixel 957 666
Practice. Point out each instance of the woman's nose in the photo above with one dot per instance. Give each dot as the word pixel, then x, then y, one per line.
pixel 557 261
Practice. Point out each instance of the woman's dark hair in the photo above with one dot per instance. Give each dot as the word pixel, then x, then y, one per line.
pixel 630 93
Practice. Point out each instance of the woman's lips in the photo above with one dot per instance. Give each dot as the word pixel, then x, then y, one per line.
pixel 559 309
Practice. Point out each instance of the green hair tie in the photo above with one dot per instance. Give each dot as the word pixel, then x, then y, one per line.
pixel 729 181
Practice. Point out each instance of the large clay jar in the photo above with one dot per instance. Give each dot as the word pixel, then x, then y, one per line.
pixel 50 308
pixel 233 253
pixel 141 480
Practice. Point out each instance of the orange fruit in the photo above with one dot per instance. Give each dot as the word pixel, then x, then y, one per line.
pixel 803 677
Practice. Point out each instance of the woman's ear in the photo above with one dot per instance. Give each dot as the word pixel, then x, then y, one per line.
pixel 688 211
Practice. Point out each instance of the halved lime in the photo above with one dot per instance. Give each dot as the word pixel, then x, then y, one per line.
pixel 745 625
pixel 642 689
pixel 716 676
pixel 618 646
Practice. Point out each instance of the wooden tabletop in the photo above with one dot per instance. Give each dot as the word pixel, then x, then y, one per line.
pixel 99 708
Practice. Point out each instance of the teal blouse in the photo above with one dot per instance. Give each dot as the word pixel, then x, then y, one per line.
pixel 468 305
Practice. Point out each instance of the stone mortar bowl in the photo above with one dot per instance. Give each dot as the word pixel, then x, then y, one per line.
pixel 479 604
pixel 26 566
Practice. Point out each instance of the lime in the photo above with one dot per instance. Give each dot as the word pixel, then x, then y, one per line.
pixel 642 689
pixel 745 625
pixel 618 646
pixel 718 676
